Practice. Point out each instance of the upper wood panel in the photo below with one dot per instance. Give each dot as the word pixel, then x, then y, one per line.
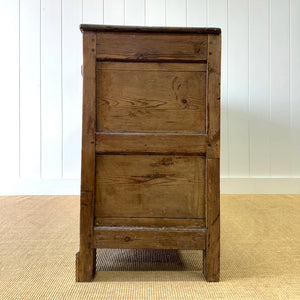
pixel 151 97
pixel 151 46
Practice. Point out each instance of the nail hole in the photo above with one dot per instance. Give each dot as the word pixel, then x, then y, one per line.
pixel 127 239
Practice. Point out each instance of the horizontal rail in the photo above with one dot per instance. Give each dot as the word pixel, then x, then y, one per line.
pixel 149 238
pixel 147 143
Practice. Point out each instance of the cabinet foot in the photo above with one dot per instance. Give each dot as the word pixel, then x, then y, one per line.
pixel 85 265
pixel 211 265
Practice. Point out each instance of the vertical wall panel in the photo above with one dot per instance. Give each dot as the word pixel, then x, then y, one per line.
pixel 295 85
pixel 134 12
pixel 41 87
pixel 9 91
pixel 197 13
pixel 114 12
pixel 259 88
pixel 176 13
pixel 30 89
pixel 51 93
pixel 92 11
pixel 238 87
pixel 217 17
pixel 71 87
pixel 155 12
pixel 280 94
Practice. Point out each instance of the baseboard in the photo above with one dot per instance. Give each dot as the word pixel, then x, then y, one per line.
pixel 260 185
pixel 40 187
pixel 229 185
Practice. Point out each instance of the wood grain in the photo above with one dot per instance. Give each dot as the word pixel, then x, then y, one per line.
pixel 86 258
pixel 149 238
pixel 151 46
pixel 150 186
pixel 134 98
pixel 151 222
pixel 150 143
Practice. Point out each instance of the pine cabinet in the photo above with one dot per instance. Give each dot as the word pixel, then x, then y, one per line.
pixel 150 142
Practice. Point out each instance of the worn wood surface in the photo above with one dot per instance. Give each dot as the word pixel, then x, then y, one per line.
pixel 149 238
pixel 146 97
pixel 85 259
pixel 150 222
pixel 150 186
pixel 151 46
pixel 145 29
pixel 151 143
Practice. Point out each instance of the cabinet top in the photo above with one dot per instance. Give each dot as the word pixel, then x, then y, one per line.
pixel 201 30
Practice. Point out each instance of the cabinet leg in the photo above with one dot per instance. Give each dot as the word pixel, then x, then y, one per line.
pixel 211 254
pixel 211 260
pixel 85 265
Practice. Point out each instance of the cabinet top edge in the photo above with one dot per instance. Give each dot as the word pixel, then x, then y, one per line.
pixel 115 28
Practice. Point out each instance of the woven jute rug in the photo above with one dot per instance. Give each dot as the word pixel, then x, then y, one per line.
pixel 260 254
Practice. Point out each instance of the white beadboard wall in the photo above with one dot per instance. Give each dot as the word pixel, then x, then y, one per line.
pixel 40 106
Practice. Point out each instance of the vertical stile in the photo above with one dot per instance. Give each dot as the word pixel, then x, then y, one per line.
pixel 87 254
pixel 212 251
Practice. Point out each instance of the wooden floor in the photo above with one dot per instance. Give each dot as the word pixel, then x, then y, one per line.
pixel 260 254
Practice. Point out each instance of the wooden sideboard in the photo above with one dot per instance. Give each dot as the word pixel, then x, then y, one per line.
pixel 150 142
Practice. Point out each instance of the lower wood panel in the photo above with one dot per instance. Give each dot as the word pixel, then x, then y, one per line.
pixel 149 238
pixel 165 186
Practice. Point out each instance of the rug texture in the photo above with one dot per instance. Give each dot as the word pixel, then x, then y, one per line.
pixel 260 254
